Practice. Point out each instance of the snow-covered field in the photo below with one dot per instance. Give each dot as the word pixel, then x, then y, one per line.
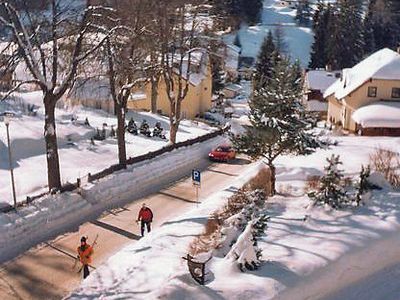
pixel 77 156
pixel 308 252
pixel 298 39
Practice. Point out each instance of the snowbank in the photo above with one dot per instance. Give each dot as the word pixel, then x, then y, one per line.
pixel 52 215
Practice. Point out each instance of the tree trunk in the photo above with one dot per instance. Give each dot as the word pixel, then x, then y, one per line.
pixel 121 134
pixel 173 132
pixel 50 137
pixel 273 179
pixel 154 94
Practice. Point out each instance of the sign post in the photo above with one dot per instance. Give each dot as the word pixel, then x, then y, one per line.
pixel 196 179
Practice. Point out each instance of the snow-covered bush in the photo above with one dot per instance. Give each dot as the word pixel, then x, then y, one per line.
pixel 245 250
pixel 224 227
pixel 330 190
pixel 388 163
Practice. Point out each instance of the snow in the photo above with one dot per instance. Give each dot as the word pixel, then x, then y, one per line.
pixel 384 114
pixel 319 80
pixel 58 213
pixel 233 87
pixel 137 96
pixel 77 156
pixel 316 105
pixel 308 252
pixel 298 39
pixel 383 64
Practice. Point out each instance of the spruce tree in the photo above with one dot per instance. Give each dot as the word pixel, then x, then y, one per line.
pixel 322 18
pixel 346 42
pixel 251 10
pixel 265 61
pixel 279 39
pixel 218 78
pixel 363 185
pixel 303 12
pixel 277 121
pixel 382 25
pixel 330 190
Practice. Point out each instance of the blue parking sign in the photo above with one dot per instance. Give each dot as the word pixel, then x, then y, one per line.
pixel 196 177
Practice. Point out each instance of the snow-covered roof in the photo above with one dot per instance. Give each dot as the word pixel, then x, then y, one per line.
pixel 199 58
pixel 382 114
pixel 320 79
pixel 383 64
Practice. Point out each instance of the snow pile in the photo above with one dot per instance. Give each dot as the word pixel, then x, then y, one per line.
pixel 377 179
pixel 55 214
pixel 379 114
pixel 383 64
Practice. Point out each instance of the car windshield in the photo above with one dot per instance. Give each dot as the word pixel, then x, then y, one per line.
pixel 223 149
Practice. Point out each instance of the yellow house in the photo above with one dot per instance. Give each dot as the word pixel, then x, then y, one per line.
pixel 197 100
pixel 366 98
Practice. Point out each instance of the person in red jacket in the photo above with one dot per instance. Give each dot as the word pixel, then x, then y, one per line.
pixel 145 217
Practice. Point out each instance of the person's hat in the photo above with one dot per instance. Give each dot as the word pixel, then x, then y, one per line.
pixel 83 239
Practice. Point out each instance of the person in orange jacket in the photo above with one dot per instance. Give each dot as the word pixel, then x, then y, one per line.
pixel 85 252
pixel 145 217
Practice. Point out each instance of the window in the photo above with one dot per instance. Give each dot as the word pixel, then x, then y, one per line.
pixel 372 91
pixel 395 92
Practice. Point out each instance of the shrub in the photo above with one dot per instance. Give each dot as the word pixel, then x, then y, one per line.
pixel 312 183
pixel 387 162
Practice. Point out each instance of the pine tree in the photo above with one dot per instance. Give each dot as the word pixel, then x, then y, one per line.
pixel 382 25
pixel 363 185
pixel 277 120
pixel 303 12
pixel 321 21
pixel 330 190
pixel 218 78
pixel 345 46
pixel 279 39
pixel 250 10
pixel 265 61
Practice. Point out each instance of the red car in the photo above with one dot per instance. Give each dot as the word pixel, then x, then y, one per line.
pixel 222 153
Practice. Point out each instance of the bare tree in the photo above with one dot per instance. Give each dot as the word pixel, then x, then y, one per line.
pixel 126 62
pixel 177 27
pixel 41 38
